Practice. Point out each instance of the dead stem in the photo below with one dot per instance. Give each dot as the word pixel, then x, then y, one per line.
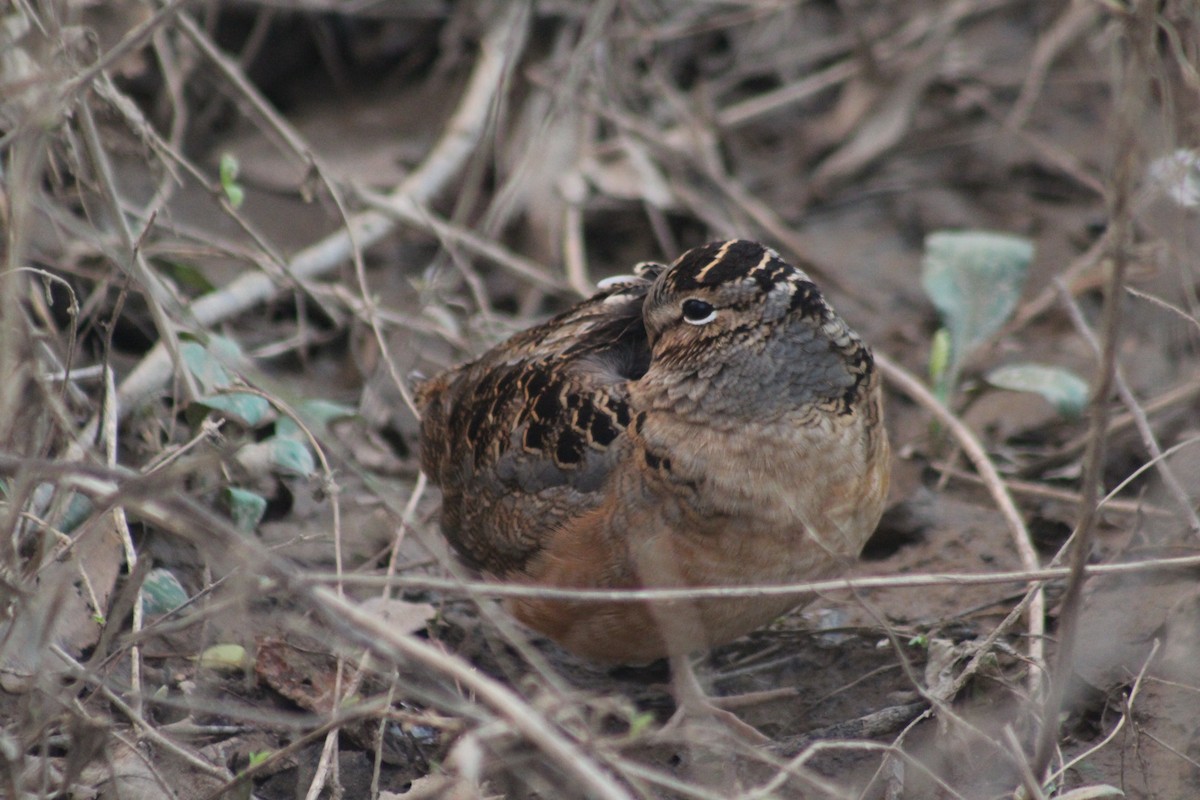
pixel 925 579
pixel 499 48
pixel 1139 27
pixel 1140 421
pixel 916 390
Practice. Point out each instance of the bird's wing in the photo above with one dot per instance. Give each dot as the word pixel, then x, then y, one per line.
pixel 525 437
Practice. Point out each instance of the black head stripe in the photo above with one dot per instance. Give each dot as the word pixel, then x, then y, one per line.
pixel 728 262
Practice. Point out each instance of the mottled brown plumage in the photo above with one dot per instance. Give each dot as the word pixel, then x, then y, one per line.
pixel 711 423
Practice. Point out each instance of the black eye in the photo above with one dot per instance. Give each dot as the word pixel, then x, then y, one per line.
pixel 698 312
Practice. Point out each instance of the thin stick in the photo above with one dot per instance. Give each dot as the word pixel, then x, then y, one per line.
pixel 484 588
pixel 1071 23
pixel 500 48
pixel 916 390
pixel 422 217
pixel 1184 393
pixel 148 730
pixel 527 721
pixel 131 260
pixel 1129 700
pixel 1028 779
pixel 1139 26
pixel 178 514
pixel 1149 440
pixel 1164 305
pixel 1031 489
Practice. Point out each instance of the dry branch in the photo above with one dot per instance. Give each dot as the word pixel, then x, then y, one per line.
pixel 499 50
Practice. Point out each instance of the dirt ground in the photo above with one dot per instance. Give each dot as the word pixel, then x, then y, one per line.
pixel 236 231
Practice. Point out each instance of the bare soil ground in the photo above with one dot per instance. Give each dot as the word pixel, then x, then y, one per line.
pixel 220 218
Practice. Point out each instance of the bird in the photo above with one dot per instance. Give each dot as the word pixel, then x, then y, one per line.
pixel 708 423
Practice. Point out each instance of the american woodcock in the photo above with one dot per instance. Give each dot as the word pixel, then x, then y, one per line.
pixel 710 423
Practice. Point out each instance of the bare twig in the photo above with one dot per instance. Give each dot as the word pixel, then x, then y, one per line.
pixel 503 700
pixel 1073 21
pixel 134 716
pixel 1130 699
pixel 1031 489
pixel 1176 396
pixel 424 218
pixel 912 387
pixel 1029 781
pixel 796 768
pixel 500 47
pixel 1149 440
pixel 484 588
pixel 131 260
pixel 132 40
pixel 183 517
pixel 1139 27
pixel 1163 304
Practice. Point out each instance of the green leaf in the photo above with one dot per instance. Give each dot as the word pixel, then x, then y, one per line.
pixel 162 592
pixel 225 349
pixel 229 167
pixel 209 363
pixel 186 276
pixel 224 657
pixel 207 369
pixel 316 414
pixel 974 279
pixel 248 409
pixel 291 457
pixel 640 723
pixel 1065 390
pixel 939 363
pixel 246 508
pixel 78 509
pixel 229 185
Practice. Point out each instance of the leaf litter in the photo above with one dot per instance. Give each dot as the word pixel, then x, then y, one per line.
pixel 189 181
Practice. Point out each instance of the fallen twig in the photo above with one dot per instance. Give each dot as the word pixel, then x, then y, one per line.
pixel 500 47
pixel 916 390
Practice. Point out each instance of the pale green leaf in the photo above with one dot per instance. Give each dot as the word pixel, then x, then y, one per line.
pixel 186 276
pixel 79 509
pixel 291 457
pixel 316 414
pixel 939 363
pixel 208 370
pixel 224 657
pixel 1065 390
pixel 247 409
pixel 246 508
pixel 228 173
pixel 640 723
pixel 162 592
pixel 974 279
pixel 210 362
pixel 225 349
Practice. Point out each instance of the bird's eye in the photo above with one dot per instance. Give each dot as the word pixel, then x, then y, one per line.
pixel 698 312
